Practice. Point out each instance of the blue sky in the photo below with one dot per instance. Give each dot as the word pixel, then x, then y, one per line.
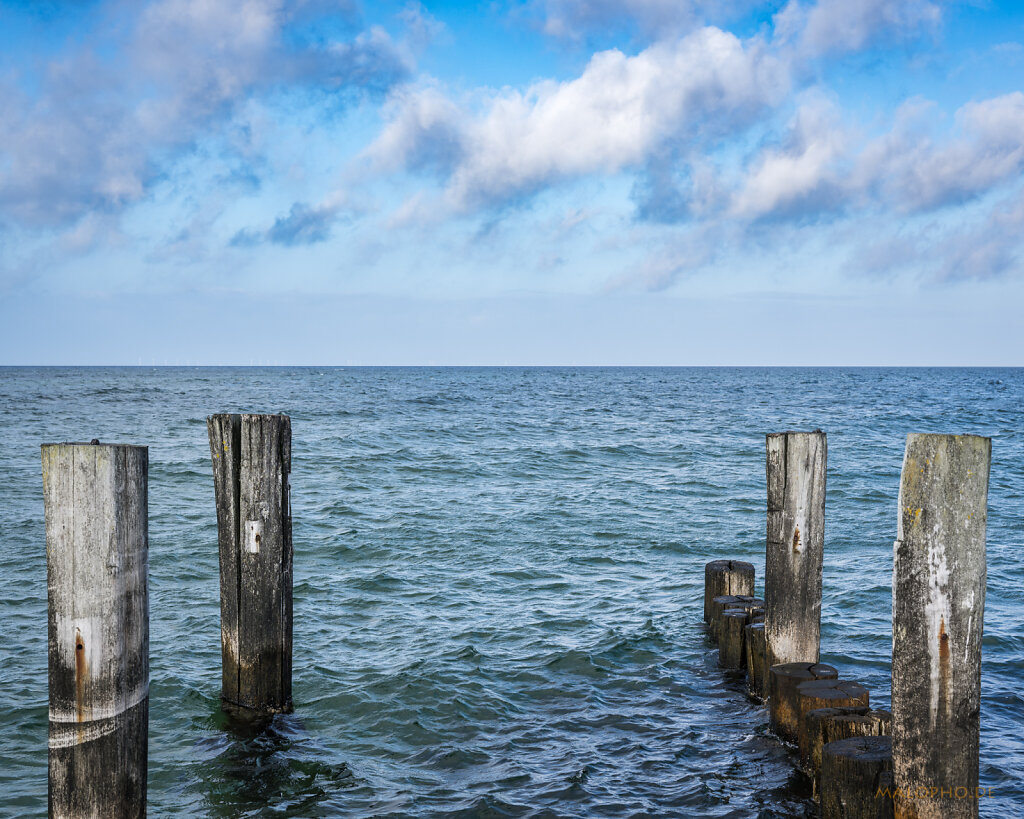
pixel 512 182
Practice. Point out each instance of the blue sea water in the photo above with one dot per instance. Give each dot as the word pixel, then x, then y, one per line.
pixel 499 581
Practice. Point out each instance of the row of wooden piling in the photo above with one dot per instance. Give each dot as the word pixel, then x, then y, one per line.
pixel 96 506
pixel 97 554
pixel 922 759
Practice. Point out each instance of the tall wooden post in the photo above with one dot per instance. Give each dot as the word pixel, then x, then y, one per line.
pixel 938 605
pixel 251 465
pixel 97 554
pixel 795 548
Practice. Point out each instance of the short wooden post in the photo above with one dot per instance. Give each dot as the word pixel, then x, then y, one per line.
pixel 795 546
pixel 251 465
pixel 815 737
pixel 97 553
pixel 826 725
pixel 783 708
pixel 731 639
pixel 938 595
pixel 723 603
pixel 853 778
pixel 726 577
pixel 757 668
pixel 816 694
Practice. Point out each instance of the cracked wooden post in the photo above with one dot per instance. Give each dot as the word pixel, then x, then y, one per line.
pixel 795 546
pixel 97 553
pixel 251 464
pixel 938 605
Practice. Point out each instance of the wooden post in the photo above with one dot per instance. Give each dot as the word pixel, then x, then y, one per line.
pixel 853 782
pixel 795 547
pixel 757 669
pixel 723 603
pixel 251 465
pixel 726 577
pixel 783 705
pixel 814 733
pixel 825 725
pixel 731 639
pixel 97 553
pixel 871 724
pixel 816 694
pixel 938 605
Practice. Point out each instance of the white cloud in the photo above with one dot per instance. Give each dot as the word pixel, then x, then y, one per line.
pixel 425 131
pixel 831 27
pixel 575 20
pixel 571 19
pixel 913 173
pixel 621 108
pixel 993 248
pixel 106 119
pixel 823 167
pixel 800 175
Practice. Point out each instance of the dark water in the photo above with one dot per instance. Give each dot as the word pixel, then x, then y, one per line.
pixel 498 581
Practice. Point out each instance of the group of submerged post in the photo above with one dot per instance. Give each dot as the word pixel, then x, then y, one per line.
pixel 921 760
pixel 96 506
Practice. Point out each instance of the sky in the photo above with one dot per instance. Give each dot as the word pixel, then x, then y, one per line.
pixel 524 182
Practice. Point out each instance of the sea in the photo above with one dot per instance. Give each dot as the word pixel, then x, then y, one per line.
pixel 498 581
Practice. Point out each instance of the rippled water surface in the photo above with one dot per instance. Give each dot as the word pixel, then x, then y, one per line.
pixel 498 581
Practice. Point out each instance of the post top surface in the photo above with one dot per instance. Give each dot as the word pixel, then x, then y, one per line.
pixel 938 436
pixel 247 415
pixel 94 445
pixel 801 669
pixel 795 432
pixel 865 748
pixel 822 688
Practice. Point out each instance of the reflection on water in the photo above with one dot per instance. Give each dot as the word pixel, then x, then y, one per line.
pixel 266 761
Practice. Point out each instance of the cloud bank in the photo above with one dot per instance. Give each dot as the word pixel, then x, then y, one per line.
pixel 103 121
pixel 618 112
pixel 691 141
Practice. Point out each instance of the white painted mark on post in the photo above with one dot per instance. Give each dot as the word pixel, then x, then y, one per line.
pixel 253 536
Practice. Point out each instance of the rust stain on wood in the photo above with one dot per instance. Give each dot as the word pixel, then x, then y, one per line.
pixel 945 689
pixel 796 539
pixel 81 675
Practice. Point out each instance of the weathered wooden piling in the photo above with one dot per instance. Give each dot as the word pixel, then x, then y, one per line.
pixel 726 602
pixel 795 545
pixel 816 694
pixel 815 737
pixel 938 599
pixel 251 465
pixel 871 724
pixel 853 778
pixel 97 553
pixel 726 577
pixel 732 638
pixel 824 725
pixel 783 708
pixel 757 668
